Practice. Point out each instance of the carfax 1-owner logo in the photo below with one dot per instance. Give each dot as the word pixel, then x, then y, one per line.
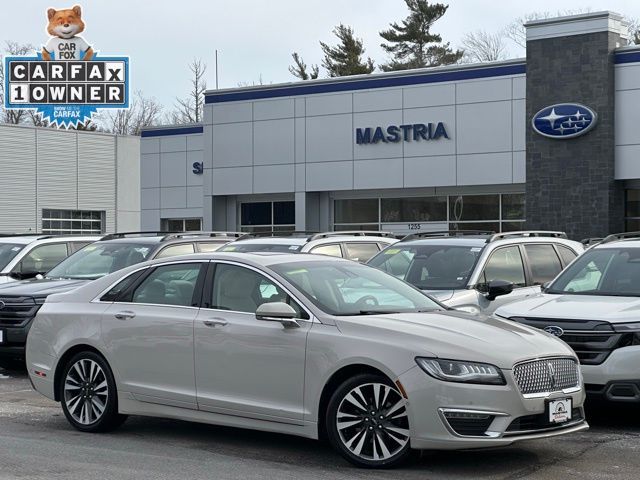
pixel 67 81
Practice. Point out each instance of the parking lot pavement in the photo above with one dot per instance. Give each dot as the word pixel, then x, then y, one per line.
pixel 37 443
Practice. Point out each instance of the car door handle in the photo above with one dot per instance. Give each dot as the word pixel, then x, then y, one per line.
pixel 125 315
pixel 215 321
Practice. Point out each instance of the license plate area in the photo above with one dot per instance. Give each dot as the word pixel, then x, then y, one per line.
pixel 559 410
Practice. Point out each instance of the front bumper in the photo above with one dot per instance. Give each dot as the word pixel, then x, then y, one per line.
pixel 15 339
pixel 620 366
pixel 511 416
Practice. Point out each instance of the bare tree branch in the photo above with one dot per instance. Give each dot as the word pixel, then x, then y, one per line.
pixel 13 116
pixel 481 46
pixel 516 32
pixel 189 109
pixel 143 112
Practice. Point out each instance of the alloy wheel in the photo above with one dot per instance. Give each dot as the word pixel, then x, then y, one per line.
pixel 372 422
pixel 86 391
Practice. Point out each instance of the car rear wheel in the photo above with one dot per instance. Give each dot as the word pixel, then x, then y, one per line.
pixel 88 394
pixel 367 422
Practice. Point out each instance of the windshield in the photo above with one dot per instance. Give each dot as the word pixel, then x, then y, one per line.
pixel 344 288
pixel 99 259
pixel 429 267
pixel 261 247
pixel 605 271
pixel 7 252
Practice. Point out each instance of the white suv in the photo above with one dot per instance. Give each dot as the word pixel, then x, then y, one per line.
pixel 594 306
pixel 478 271
pixel 26 256
pixel 355 245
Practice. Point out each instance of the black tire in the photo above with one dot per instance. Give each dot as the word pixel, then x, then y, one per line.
pixel 92 397
pixel 374 428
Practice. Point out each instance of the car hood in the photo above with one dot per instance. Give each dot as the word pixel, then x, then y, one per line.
pixel 575 307
pixel 40 288
pixel 457 335
pixel 440 295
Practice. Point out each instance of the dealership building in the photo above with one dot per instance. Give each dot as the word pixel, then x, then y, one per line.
pixel 546 142
pixel 66 181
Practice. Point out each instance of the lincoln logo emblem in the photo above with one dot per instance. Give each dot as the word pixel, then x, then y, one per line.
pixel 552 375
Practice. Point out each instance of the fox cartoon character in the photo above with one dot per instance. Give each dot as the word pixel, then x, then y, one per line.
pixel 65 44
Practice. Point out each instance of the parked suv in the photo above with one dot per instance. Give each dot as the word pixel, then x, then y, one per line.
pixel 353 245
pixel 593 306
pixel 21 300
pixel 26 256
pixel 478 271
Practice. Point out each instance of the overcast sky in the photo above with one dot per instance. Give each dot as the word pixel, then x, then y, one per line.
pixel 254 38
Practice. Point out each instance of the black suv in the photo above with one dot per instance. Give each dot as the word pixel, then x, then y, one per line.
pixel 19 301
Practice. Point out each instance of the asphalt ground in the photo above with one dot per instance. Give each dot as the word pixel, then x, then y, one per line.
pixel 36 442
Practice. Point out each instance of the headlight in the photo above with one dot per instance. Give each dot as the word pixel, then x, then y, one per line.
pixel 626 327
pixel 462 372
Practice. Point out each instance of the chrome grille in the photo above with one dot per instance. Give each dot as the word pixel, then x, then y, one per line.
pixel 547 375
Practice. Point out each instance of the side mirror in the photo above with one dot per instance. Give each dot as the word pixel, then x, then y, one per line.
pixel 544 286
pixel 498 288
pixel 277 312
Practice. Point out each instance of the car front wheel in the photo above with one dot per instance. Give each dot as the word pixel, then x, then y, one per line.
pixel 367 422
pixel 88 394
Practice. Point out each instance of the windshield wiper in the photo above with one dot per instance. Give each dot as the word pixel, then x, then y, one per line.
pixel 376 312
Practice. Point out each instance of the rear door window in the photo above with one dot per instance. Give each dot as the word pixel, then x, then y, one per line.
pixel 361 252
pixel 566 254
pixel 176 250
pixel 169 285
pixel 543 262
pixel 332 250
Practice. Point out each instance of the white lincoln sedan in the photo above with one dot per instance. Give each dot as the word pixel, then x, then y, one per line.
pixel 301 344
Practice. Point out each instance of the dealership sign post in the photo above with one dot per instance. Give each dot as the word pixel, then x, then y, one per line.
pixel 67 82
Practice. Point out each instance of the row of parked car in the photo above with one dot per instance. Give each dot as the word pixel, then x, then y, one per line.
pixel 256 333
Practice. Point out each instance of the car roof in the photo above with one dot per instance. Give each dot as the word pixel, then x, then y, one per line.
pixel 631 242
pixel 458 241
pixel 28 239
pixel 274 241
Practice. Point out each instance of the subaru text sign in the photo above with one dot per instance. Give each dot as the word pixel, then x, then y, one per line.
pixel 66 81
pixel 564 120
pixel 398 133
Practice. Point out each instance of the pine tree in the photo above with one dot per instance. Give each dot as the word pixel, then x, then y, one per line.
pixel 299 70
pixel 346 57
pixel 412 45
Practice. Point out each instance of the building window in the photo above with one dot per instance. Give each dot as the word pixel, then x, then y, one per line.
pixel 632 210
pixel 497 212
pixel 181 224
pixel 73 222
pixel 268 216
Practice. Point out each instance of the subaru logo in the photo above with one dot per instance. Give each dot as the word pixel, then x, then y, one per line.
pixel 553 330
pixel 564 120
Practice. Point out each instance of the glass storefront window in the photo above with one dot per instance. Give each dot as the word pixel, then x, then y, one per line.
pixel 356 211
pixel 424 209
pixel 513 206
pixel 474 207
pixel 268 216
pixel 182 224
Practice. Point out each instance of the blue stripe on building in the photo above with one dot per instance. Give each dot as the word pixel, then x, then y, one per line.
pixel 627 57
pixel 163 132
pixel 367 83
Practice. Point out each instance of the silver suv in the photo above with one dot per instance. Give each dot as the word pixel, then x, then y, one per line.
pixel 355 245
pixel 593 306
pixel 479 271
pixel 26 256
